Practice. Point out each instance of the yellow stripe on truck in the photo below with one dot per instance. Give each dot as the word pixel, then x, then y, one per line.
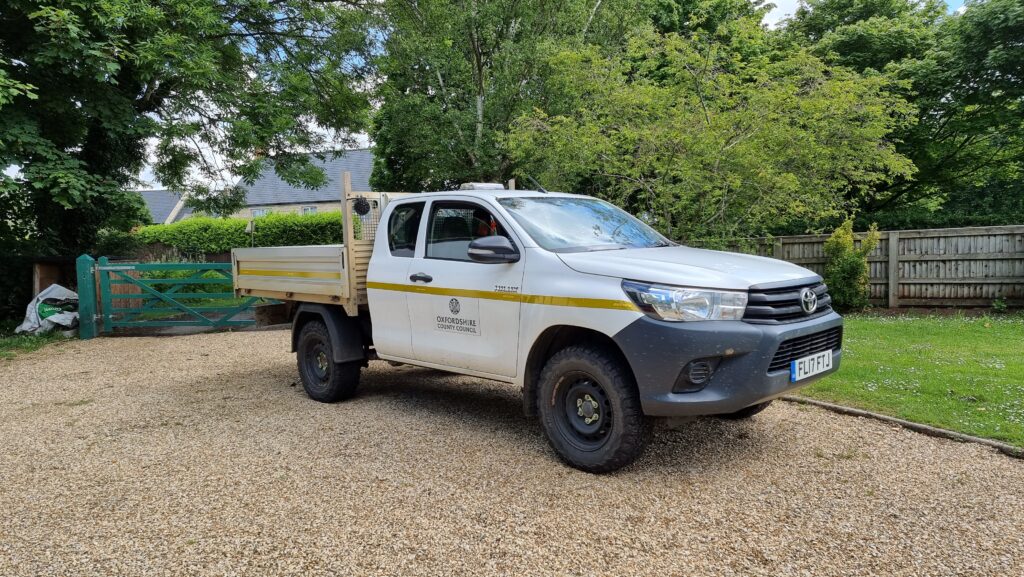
pixel 579 302
pixel 289 273
pixel 512 297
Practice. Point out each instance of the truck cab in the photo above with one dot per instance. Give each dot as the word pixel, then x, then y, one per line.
pixel 601 321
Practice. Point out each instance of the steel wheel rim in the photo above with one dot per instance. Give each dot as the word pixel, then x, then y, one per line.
pixel 583 411
pixel 317 361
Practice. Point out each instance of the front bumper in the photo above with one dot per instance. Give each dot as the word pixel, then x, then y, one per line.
pixel 657 351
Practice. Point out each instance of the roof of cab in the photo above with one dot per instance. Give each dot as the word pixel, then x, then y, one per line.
pixel 488 193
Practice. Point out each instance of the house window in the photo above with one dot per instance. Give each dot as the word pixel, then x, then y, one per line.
pixel 309 210
pixel 260 212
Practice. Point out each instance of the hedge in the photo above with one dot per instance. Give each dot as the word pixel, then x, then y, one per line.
pixel 199 234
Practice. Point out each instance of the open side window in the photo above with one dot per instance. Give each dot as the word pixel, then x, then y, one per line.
pixel 453 225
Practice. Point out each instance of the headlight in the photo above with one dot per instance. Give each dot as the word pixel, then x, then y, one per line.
pixel 685 304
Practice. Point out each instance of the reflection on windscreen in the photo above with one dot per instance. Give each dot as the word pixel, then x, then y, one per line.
pixel 564 224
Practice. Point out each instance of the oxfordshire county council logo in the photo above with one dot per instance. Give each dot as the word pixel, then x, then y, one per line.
pixel 808 300
pixel 453 305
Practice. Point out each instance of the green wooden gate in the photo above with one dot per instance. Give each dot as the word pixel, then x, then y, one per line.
pixel 136 295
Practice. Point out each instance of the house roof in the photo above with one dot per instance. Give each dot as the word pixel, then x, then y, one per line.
pixel 160 204
pixel 270 189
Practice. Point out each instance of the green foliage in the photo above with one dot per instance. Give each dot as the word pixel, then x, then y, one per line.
pixel 814 19
pixel 221 203
pixel 1000 305
pixel 704 139
pixel 224 287
pixel 113 242
pixel 199 235
pixel 12 344
pixel 456 72
pixel 891 109
pixel 969 92
pixel 846 270
pixel 876 42
pixel 712 16
pixel 218 87
pixel 15 286
pixel 962 72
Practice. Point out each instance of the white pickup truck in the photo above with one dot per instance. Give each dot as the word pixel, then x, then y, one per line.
pixel 603 322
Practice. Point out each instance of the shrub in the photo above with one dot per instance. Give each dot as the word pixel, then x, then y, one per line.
pixel 112 242
pixel 846 267
pixel 205 235
pixel 1000 305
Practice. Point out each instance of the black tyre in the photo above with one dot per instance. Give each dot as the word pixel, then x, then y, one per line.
pixel 590 410
pixel 747 412
pixel 322 378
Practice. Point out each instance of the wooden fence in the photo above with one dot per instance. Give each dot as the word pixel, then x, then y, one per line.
pixel 931 267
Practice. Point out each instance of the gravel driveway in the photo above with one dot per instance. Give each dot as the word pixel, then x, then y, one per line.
pixel 198 455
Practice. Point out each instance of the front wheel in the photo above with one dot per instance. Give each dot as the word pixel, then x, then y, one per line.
pixel 322 378
pixel 590 410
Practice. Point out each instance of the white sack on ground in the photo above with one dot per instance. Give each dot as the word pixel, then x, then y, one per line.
pixel 54 306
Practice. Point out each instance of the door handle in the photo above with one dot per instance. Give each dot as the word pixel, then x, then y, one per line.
pixel 421 277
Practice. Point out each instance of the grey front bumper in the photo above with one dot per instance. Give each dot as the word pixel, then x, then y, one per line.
pixel 657 351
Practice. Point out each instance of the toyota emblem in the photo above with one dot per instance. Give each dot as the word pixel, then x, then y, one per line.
pixel 808 300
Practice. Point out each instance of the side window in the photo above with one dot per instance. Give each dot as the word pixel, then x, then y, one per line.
pixel 453 225
pixel 403 226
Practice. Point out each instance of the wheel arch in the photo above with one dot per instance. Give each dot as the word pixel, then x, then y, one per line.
pixel 552 340
pixel 346 332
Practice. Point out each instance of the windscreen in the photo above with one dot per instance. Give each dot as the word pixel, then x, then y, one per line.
pixel 570 224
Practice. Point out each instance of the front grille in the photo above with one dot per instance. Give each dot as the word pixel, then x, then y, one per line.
pixel 782 305
pixel 800 347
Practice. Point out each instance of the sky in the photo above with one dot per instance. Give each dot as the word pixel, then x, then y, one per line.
pixel 785 8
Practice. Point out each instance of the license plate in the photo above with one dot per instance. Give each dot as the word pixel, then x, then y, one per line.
pixel 809 366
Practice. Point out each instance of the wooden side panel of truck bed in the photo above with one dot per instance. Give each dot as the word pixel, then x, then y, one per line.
pixel 301 273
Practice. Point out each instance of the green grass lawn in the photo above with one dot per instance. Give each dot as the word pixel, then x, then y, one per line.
pixel 11 344
pixel 960 373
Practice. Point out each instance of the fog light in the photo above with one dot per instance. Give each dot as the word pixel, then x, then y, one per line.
pixel 695 375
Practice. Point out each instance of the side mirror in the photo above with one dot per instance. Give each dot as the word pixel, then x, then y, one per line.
pixel 493 249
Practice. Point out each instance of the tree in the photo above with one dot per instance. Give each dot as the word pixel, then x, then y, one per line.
pixel 814 19
pixel 705 143
pixel 457 72
pixel 876 42
pixel 209 90
pixel 969 90
pixel 964 74
pixel 688 16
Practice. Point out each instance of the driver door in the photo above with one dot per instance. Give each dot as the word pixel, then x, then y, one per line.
pixel 464 314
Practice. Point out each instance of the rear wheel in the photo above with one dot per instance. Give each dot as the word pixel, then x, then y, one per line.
pixel 746 412
pixel 322 378
pixel 590 410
